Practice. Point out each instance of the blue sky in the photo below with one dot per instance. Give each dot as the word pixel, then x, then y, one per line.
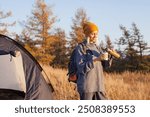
pixel 107 14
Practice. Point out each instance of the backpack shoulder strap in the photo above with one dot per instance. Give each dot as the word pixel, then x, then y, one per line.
pixel 83 47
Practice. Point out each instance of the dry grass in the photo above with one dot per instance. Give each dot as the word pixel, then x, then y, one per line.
pixel 124 86
pixel 128 86
pixel 64 90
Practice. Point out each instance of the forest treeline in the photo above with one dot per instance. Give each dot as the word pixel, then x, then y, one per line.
pixel 52 46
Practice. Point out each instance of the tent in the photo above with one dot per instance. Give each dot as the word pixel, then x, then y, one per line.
pixel 20 73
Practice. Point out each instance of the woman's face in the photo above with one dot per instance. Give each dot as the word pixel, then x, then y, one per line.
pixel 93 37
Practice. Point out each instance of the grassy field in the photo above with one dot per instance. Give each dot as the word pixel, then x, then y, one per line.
pixel 124 86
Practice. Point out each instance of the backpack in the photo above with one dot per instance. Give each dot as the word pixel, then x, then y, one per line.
pixel 72 66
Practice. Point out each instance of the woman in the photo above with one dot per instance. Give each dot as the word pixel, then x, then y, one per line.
pixel 90 81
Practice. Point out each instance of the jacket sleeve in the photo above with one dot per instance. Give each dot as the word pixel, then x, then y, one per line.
pixel 110 60
pixel 107 63
pixel 83 63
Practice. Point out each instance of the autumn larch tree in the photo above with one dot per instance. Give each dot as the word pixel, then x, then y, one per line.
pixel 3 25
pixel 77 34
pixel 38 26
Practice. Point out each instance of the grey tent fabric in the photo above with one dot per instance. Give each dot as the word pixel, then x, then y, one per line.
pixel 36 86
pixel 12 73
